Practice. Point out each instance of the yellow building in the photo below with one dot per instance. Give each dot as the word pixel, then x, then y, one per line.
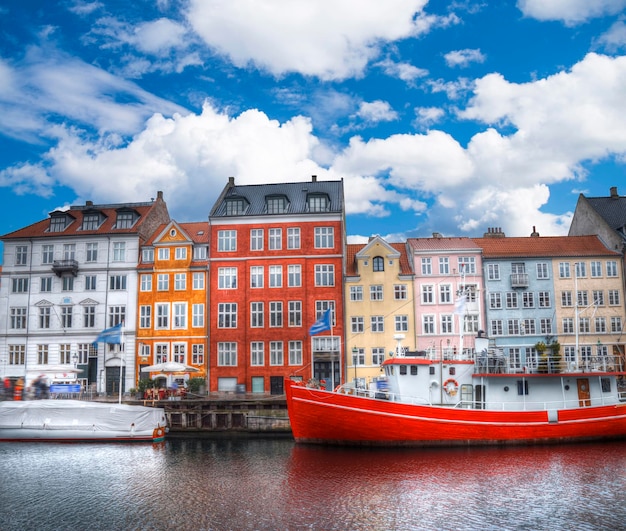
pixel 379 306
pixel 172 299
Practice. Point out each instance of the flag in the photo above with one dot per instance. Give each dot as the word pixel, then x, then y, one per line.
pixel 111 335
pixel 459 305
pixel 323 323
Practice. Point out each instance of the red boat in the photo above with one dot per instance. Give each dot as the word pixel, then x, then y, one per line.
pixel 432 401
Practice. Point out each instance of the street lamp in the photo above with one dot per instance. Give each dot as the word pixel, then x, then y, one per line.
pixel 355 352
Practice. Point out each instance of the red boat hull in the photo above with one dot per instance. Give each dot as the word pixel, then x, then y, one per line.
pixel 318 416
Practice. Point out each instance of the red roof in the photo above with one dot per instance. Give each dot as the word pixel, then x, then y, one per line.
pixel 543 246
pixel 440 243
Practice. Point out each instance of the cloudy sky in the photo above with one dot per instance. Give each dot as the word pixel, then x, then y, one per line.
pixel 439 116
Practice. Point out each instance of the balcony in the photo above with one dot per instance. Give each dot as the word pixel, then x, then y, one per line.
pixel 519 280
pixel 65 266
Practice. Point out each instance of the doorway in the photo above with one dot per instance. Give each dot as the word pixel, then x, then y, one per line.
pixel 584 396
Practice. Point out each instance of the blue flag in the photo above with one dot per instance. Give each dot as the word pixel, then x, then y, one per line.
pixel 111 335
pixel 322 324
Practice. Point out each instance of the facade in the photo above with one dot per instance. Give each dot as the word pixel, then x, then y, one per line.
pixel 276 265
pixel 64 280
pixel 538 288
pixel 173 300
pixel 448 294
pixel 379 306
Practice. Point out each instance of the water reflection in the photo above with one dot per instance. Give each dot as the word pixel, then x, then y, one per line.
pixel 274 484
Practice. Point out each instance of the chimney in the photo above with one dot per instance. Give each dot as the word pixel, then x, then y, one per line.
pixel 159 195
pixel 534 233
pixel 314 178
pixel 494 232
pixel 437 235
pixel 89 203
pixel 231 181
pixel 614 194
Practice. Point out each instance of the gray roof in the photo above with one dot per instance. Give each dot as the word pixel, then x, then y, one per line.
pixel 255 196
pixel 612 210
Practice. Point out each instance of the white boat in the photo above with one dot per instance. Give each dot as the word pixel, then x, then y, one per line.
pixel 77 420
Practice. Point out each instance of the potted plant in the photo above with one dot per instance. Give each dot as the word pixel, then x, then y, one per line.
pixel 542 363
pixel 142 385
pixel 196 385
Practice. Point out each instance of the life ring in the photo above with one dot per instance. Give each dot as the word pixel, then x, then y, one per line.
pixel 451 386
pixel 337 388
pixel 159 433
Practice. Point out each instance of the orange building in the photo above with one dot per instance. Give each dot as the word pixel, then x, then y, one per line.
pixel 277 264
pixel 172 300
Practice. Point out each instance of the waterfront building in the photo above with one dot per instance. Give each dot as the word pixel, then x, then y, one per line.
pixel 172 299
pixel 65 279
pixel 379 306
pixel 561 293
pixel 276 265
pixel 448 293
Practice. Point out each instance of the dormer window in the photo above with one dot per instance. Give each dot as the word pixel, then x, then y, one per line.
pixel 91 222
pixel 235 207
pixel 58 223
pixel 378 263
pixel 318 203
pixel 124 220
pixel 276 205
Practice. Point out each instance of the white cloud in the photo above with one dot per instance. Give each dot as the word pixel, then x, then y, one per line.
pixel 463 58
pixel 404 71
pixel 376 111
pixel 159 36
pixel 571 12
pixel 614 38
pixel 427 116
pixel 330 39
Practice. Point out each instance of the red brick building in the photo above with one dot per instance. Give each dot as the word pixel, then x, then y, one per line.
pixel 276 265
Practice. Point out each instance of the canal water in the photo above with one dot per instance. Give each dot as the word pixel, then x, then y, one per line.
pixel 204 484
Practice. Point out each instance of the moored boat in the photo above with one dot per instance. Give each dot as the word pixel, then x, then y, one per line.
pixel 79 421
pixel 477 399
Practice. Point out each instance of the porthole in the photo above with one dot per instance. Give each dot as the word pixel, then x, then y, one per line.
pixel 173 233
pixel 506 388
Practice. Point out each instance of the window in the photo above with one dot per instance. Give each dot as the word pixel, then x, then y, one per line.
pixel 376 292
pixel 446 324
pixel 275 239
pixel 377 323
pixel 511 299
pixel 119 251
pixel 46 285
pixel 544 299
pixel 427 267
pixel 66 316
pixel 444 265
pixel 179 311
pixel 256 239
pixel 19 285
pixel 162 315
pixel 276 314
pixel 18 318
pixel 235 207
pixel 427 294
pixel 295 313
pixel 227 354
pixel 164 253
pixel 584 325
pixel 257 353
pixel 317 203
pixel 256 277
pixel 545 326
pixel 582 298
pixel 227 315
pixel 90 282
pixel 378 264
pixel 197 319
pixel 293 238
pixel 357 325
pixel 598 297
pixel 161 352
pixel 21 255
pixel 47 254
pixel 276 353
pixel 529 327
pixel 324 237
pixel 600 325
pixel 145 283
pixel 198 281
pixel 470 324
pixel 44 317
pixel 200 252
pixel 495 300
pixel 358 356
pixel 276 276
pixel 614 298
pixel 275 205
pixel 568 325
pixel 400 292
pixel 294 276
pixel 42 354
pixel 69 251
pixel 324 275
pixel 58 223
pixel 163 282
pixel 611 268
pixel 564 270
pixel 581 269
pixel 356 293
pixel 513 327
pixel 147 255
pixel 428 324
pixel 197 354
pixel 378 355
pixel 542 271
pixel 67 283
pixel 596 268
pixel 616 325
pixel 467 265
pixel 566 298
pixel 257 315
pixel 493 271
pixel 227 277
pixel 17 354
pixel 180 253
pixel 124 220
pixel 117 282
pixel 227 240
pixel 496 327
pixel 145 317
pixel 528 299
pixel 402 323
pixel 295 353
pixel 445 293
pixel 92 252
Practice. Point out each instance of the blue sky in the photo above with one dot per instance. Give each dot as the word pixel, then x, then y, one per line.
pixel 440 116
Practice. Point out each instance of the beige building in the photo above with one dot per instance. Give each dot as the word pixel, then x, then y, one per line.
pixel 379 306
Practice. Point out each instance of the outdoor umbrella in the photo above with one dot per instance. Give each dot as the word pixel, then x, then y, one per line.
pixel 169 367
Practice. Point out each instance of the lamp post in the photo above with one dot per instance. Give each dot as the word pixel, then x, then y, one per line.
pixel 355 352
